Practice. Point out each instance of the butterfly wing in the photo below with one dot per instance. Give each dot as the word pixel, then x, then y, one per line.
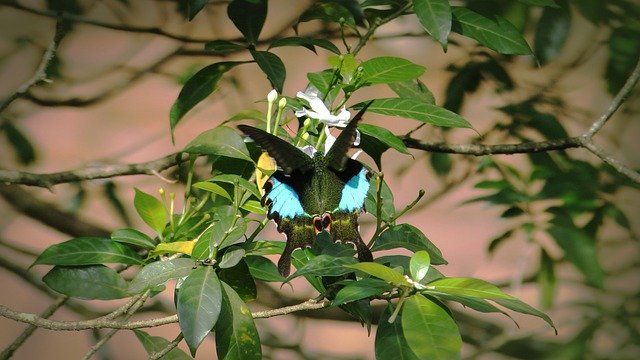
pixel 337 156
pixel 287 156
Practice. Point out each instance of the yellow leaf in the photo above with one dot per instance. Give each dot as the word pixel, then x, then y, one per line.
pixel 184 247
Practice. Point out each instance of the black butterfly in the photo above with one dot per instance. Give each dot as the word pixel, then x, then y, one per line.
pixel 308 195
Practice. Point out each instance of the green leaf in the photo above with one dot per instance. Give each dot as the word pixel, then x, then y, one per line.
pixel 385 136
pixel 213 188
pixel 254 206
pixel 497 34
pixel 240 279
pixel 390 343
pixel 21 145
pixel 441 163
pixel 551 33
pixel 417 110
pixel 624 51
pixel 263 269
pixel 409 237
pixel 549 3
pixel 199 302
pixel 579 248
pixel 194 7
pixel 222 47
pixel 328 12
pixel 429 330
pixel 243 183
pixel 248 17
pixel 435 17
pixel 159 272
pixel 388 209
pixel 133 237
pixel 95 282
pixel 474 303
pixel 546 280
pixel 236 335
pixel 361 289
pixel 387 69
pixel 308 43
pixel 155 344
pixel 227 232
pixel 324 265
pixel 272 66
pixel 222 141
pixel 419 265
pixel 231 257
pixel 321 80
pixel 151 210
pixel 413 89
pixel 88 251
pixel 197 88
pixel 468 287
pixel 382 272
pixel 523 308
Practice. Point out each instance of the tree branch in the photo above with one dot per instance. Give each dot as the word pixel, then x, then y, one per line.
pixel 106 323
pixel 480 149
pixel 91 172
pixel 41 73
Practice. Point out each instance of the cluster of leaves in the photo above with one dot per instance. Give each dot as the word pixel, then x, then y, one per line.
pixel 211 247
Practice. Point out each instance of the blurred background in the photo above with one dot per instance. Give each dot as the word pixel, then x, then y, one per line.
pixel 121 67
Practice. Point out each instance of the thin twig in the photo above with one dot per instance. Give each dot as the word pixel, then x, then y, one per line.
pixel 480 149
pixel 41 73
pixel 376 24
pixel 172 345
pixel 90 172
pixel 17 343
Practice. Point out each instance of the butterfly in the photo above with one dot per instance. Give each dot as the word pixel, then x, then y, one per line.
pixel 308 195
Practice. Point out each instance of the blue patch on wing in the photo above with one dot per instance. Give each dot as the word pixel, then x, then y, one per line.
pixel 354 192
pixel 284 200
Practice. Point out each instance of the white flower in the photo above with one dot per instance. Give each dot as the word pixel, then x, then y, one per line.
pixel 272 96
pixel 320 111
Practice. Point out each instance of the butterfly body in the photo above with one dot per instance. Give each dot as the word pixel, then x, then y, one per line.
pixel 308 195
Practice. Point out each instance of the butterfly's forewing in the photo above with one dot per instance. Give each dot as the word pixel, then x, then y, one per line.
pixel 287 156
pixel 337 156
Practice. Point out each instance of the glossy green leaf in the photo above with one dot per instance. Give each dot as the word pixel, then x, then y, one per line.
pixel 213 188
pixel 387 69
pixel 413 89
pixel 95 282
pixel 497 34
pixel 469 287
pixel 272 66
pixel 321 80
pixel 227 232
pixel 382 272
pixel 23 148
pixel 231 257
pixel 198 303
pixel 222 47
pixel 523 308
pixel 240 279
pixel 419 265
pixel 385 136
pixel 243 183
pixel 390 343
pixel 222 141
pixel 88 251
pixel 471 302
pixel 328 12
pixel 417 110
pixel 151 210
pixel 624 51
pixel 254 206
pixel 551 33
pixel 308 43
pixel 409 237
pixel 197 88
pixel 324 265
pixel 248 17
pixel 580 250
pixel 155 344
pixel 236 335
pixel 441 163
pixel 429 330
pixel 361 289
pixel 159 272
pixel 263 269
pixel 133 237
pixel 264 247
pixel 435 17
pixel 194 7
